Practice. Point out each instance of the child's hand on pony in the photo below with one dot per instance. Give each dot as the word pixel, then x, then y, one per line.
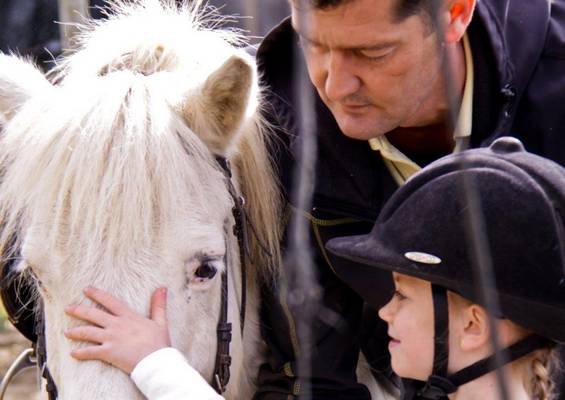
pixel 116 334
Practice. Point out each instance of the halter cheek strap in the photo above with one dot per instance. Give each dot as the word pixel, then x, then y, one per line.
pixel 41 355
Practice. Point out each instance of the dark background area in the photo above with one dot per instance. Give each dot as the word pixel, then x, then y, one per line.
pixel 28 27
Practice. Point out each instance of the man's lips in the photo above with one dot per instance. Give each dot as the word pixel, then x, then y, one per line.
pixel 355 107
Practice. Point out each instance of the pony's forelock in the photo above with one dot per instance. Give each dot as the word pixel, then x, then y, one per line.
pixel 172 27
pixel 109 96
pixel 110 168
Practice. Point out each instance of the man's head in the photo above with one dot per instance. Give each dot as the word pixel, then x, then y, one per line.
pixel 404 8
pixel 375 63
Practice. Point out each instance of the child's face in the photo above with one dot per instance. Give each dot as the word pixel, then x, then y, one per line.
pixel 410 319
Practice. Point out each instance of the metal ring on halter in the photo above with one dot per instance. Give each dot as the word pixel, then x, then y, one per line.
pixel 24 361
pixel 217 381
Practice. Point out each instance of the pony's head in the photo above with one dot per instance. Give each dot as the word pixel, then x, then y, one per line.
pixel 109 178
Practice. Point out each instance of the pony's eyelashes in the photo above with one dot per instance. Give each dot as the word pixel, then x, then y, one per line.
pixel 206 270
pixel 202 270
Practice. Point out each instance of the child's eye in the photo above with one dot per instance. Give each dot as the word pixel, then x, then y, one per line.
pixel 398 295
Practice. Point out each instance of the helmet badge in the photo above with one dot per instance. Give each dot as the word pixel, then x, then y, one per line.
pixel 422 258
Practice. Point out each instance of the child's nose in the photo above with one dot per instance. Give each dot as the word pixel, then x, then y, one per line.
pixel 386 312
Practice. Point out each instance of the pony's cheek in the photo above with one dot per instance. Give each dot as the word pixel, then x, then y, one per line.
pixel 34 272
pixel 36 256
pixel 199 284
pixel 200 292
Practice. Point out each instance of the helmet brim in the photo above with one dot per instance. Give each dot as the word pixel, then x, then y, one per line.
pixel 370 256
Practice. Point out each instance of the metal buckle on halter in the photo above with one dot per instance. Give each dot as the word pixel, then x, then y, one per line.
pixel 219 385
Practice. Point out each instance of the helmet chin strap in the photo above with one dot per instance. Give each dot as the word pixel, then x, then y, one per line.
pixel 440 384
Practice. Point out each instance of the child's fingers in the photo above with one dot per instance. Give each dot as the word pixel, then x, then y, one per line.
pixel 159 307
pixel 89 314
pixel 91 353
pixel 109 302
pixel 87 333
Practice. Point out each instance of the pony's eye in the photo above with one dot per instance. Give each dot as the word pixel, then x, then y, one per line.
pixel 206 270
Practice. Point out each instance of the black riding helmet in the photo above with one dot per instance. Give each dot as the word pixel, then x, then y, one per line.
pixel 422 232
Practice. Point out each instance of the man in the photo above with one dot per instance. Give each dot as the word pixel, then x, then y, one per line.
pixel 383 111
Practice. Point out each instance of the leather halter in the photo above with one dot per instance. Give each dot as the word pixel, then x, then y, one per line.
pixel 37 356
pixel 224 328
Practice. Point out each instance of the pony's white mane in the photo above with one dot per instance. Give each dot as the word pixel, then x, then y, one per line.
pixel 120 167
pixel 122 94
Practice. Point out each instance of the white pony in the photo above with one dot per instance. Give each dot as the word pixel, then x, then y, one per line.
pixel 109 178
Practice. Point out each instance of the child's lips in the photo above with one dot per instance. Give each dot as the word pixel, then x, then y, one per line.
pixel 393 341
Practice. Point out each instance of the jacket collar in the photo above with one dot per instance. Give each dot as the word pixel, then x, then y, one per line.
pixel 516 34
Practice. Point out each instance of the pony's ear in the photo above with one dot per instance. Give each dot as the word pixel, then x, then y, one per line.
pixel 224 100
pixel 20 80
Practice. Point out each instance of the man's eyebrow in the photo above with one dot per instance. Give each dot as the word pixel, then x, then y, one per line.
pixel 303 36
pixel 373 46
pixel 359 47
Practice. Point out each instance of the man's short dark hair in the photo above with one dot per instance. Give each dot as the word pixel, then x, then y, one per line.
pixel 404 8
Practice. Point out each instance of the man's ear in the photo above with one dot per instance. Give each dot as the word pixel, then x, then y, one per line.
pixel 457 17
pixel 20 80
pixel 476 330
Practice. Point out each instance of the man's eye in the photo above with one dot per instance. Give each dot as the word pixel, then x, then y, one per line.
pixel 374 55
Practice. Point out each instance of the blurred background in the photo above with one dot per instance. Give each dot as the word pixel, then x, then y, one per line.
pixel 29 26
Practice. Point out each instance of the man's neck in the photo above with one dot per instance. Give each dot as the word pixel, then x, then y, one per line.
pixel 428 142
pixel 435 139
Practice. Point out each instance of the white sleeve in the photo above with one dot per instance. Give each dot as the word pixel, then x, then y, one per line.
pixel 166 375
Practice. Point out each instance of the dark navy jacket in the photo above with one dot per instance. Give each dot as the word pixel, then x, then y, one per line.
pixel 519 64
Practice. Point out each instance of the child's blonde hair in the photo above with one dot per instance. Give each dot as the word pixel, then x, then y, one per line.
pixel 542 367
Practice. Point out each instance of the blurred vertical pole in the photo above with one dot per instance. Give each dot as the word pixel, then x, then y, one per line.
pixel 476 234
pixel 266 14
pixel 304 292
pixel 71 12
pixel 252 24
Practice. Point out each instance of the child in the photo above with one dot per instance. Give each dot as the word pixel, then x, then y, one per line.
pixel 440 331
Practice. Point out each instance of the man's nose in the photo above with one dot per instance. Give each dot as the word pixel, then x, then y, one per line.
pixel 341 81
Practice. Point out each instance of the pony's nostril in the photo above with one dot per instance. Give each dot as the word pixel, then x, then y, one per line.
pixel 206 271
